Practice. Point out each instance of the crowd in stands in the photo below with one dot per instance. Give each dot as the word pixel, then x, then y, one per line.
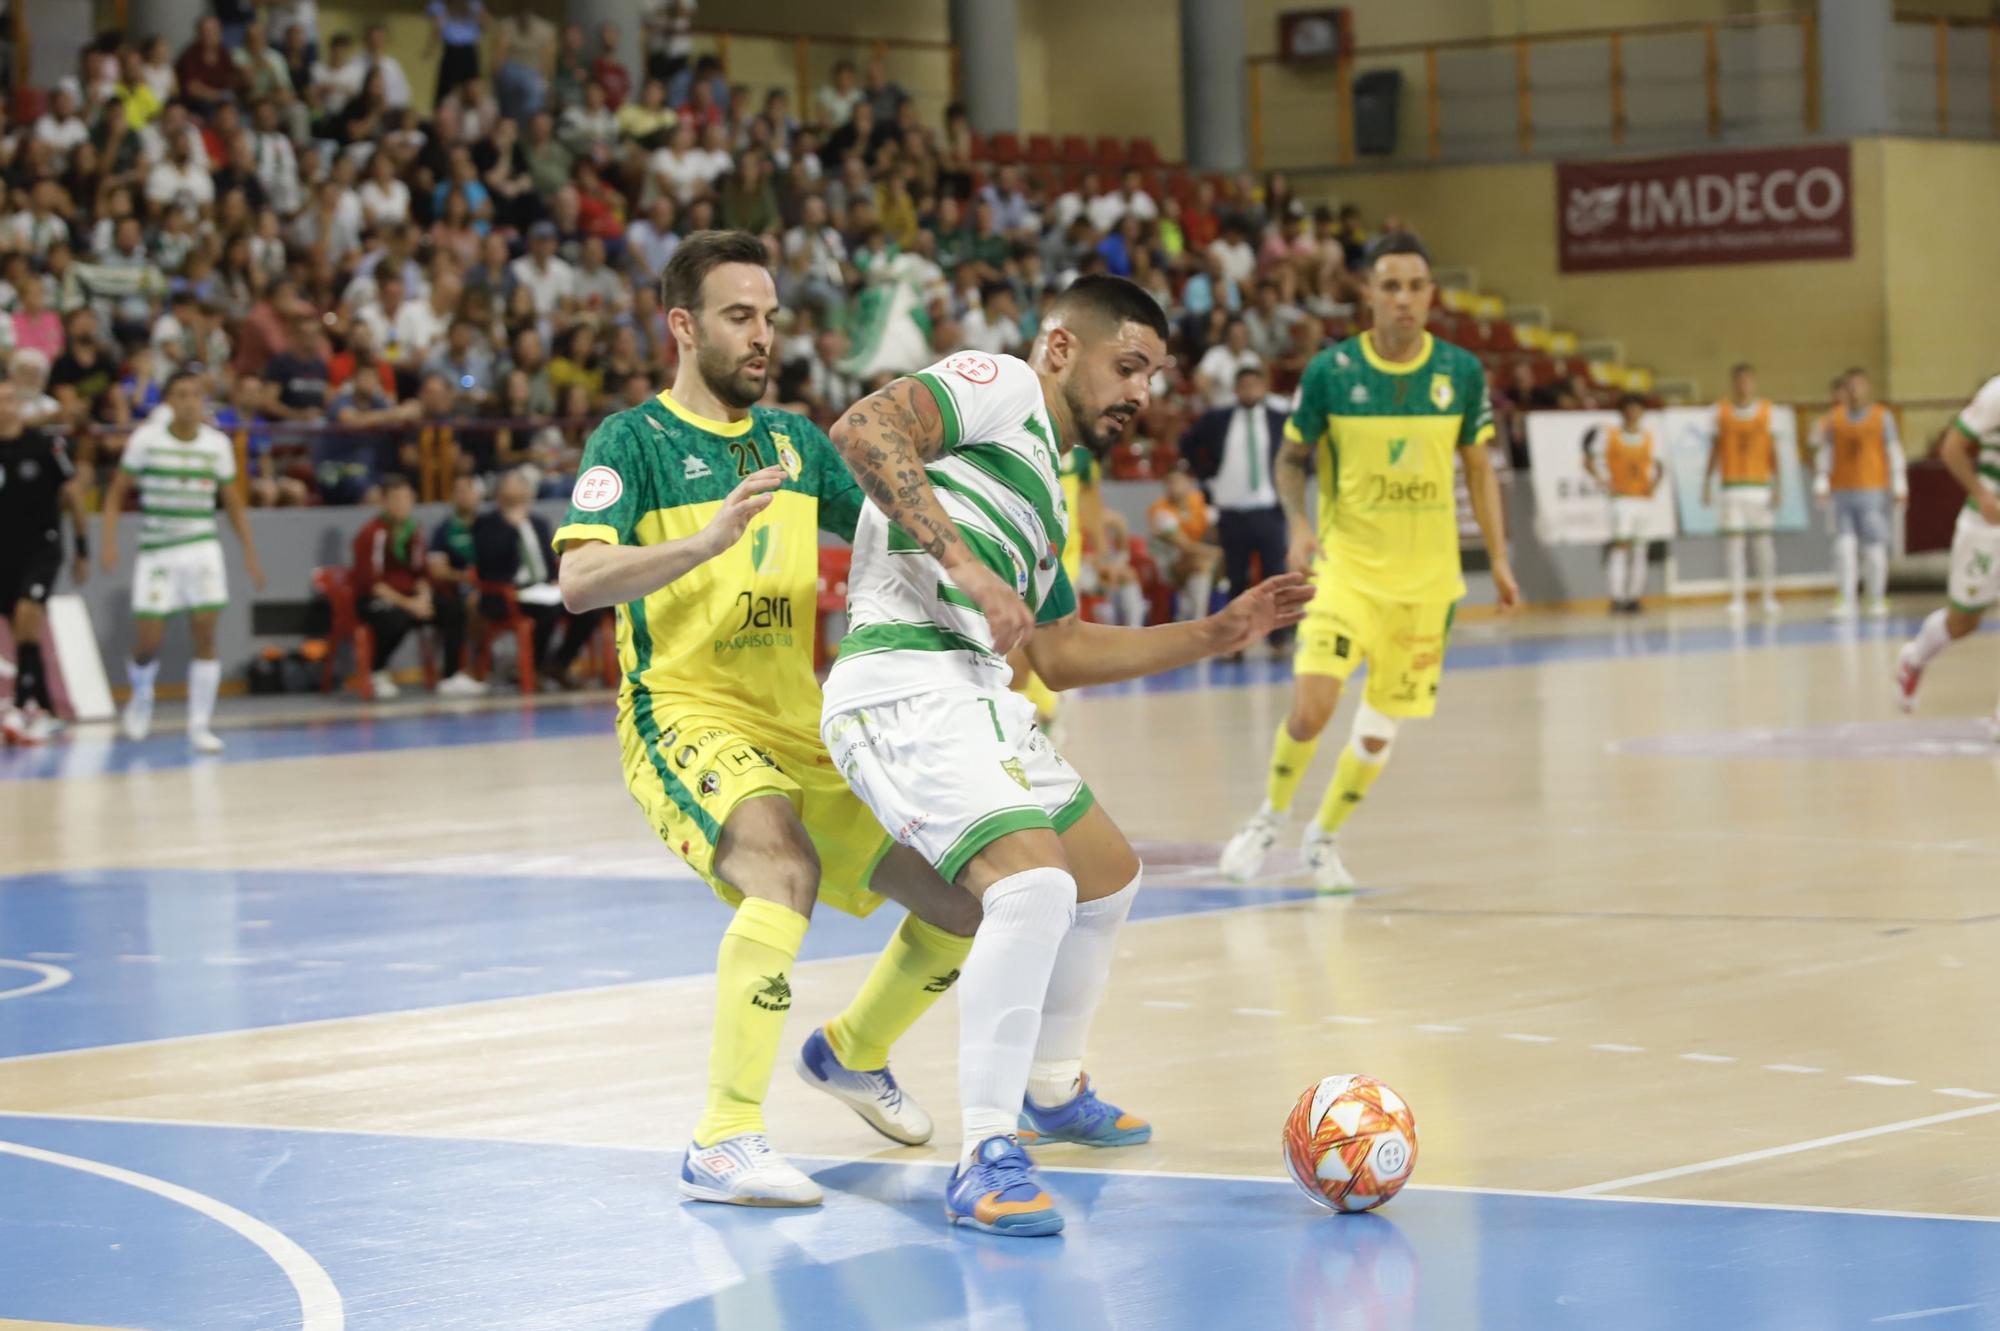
pixel 265 201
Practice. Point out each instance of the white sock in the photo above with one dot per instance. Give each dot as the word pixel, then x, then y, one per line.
pixel 204 678
pixel 1132 605
pixel 1200 591
pixel 142 676
pixel 1083 967
pixel 1875 558
pixel 1767 565
pixel 1846 564
pixel 1614 571
pixel 1735 557
pixel 1635 574
pixel 1931 639
pixel 1001 989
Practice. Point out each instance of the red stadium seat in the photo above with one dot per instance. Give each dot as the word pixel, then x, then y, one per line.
pixel 1110 153
pixel 1076 150
pixel 331 583
pixel 1141 152
pixel 1041 148
pixel 513 622
pixel 835 563
pixel 1006 147
pixel 982 148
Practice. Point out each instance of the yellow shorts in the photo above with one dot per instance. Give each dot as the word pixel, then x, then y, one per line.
pixel 690 772
pixel 1402 641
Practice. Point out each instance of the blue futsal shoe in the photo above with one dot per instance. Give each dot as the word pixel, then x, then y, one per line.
pixel 997 1192
pixel 873 1095
pixel 1085 1120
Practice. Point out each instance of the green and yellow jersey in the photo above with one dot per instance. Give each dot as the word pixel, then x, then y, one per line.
pixel 1386 435
pixel 1079 469
pixel 732 638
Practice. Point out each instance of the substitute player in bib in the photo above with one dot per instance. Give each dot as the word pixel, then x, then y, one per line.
pixel 1744 453
pixel 1859 471
pixel 37 484
pixel 697 514
pixel 181 465
pixel 957 559
pixel 1623 460
pixel 1971 452
pixel 1386 414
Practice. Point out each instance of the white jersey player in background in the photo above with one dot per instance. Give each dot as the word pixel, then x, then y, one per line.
pixel 180 467
pixel 1971 452
pixel 957 560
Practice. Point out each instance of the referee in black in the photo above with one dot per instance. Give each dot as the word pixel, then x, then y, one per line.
pixel 37 483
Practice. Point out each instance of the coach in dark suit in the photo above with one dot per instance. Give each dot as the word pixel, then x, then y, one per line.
pixel 1233 450
pixel 513 545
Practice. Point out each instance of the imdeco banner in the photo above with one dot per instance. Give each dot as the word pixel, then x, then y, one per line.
pixel 1762 206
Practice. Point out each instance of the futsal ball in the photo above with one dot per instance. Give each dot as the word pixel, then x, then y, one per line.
pixel 1350 1143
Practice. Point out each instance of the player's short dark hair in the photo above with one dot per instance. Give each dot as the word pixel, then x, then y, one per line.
pixel 1631 400
pixel 1107 299
pixel 1398 242
pixel 1854 372
pixel 395 480
pixel 1742 367
pixel 177 378
pixel 1248 371
pixel 699 255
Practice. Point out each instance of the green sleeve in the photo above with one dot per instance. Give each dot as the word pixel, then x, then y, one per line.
pixel 612 492
pixel 840 496
pixel 1476 424
pixel 1087 466
pixel 1309 419
pixel 1061 600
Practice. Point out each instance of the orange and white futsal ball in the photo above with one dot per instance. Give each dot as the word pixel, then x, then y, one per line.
pixel 1350 1143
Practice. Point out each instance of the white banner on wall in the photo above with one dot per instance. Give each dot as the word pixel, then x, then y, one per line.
pixel 1571 507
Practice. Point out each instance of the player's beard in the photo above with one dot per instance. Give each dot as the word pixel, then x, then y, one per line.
pixel 727 377
pixel 1101 433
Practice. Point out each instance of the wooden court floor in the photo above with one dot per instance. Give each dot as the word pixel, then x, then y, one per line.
pixel 1668 911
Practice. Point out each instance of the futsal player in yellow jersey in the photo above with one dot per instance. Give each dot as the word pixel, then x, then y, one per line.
pixel 697 515
pixel 1385 413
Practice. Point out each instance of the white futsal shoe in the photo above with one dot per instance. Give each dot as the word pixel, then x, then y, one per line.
pixel 1771 607
pixel 204 741
pixel 744 1171
pixel 1322 854
pixel 137 719
pixel 1243 857
pixel 874 1095
pixel 1844 609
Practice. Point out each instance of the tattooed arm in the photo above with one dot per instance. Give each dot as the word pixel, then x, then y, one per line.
pixel 1302 544
pixel 885 439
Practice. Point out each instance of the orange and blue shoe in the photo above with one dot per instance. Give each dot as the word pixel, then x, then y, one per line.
pixel 997 1192
pixel 1085 1120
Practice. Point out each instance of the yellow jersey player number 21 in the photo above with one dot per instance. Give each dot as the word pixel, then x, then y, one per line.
pixel 1387 413
pixel 697 514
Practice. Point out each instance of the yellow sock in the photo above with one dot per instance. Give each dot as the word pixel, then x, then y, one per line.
pixel 914 970
pixel 753 992
pixel 1350 782
pixel 1289 760
pixel 1041 695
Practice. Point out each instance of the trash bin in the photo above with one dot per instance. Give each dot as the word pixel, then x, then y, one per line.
pixel 1377 95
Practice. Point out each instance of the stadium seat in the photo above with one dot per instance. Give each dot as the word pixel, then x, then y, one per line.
pixel 835 562
pixel 1110 153
pixel 330 582
pixel 1076 150
pixel 513 622
pixel 1006 147
pixel 1141 152
pixel 1041 148
pixel 982 147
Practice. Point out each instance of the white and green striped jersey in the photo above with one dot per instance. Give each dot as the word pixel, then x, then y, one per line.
pixel 1980 421
pixel 178 479
pixel 911 629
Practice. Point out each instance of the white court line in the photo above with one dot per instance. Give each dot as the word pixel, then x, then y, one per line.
pixel 1959 1092
pixel 52 977
pixel 1619 1048
pixel 1799 1068
pixel 1772 1153
pixel 1708 1058
pixel 887 1157
pixel 1352 1021
pixel 320 1307
pixel 1435 1029
pixel 1921 1313
pixel 1258 1012
pixel 1519 1037
pixel 1171 1004
pixel 1870 1079
pixel 53 956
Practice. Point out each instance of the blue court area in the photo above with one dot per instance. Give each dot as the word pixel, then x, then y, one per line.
pixel 156 953
pixel 415 1234
pixel 97 752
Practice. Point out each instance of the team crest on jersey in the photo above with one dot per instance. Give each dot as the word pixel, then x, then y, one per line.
pixel 1441 392
pixel 975 366
pixel 788 457
pixel 765 546
pixel 711 782
pixel 1359 395
pixel 1012 767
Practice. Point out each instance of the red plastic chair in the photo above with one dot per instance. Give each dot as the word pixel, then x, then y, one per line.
pixel 512 621
pixel 1076 150
pixel 1141 152
pixel 1041 148
pixel 835 563
pixel 332 582
pixel 1005 147
pixel 1110 153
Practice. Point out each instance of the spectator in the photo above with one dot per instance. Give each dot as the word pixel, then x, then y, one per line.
pixel 884 95
pixel 652 240
pixel 748 201
pixel 206 71
pixel 390 578
pixel 84 378
pixel 601 292
pixel 1234 450
pixel 262 69
pixel 467 366
pixel 590 128
pixel 422 325
pixel 159 70
pixel 457 28
pixel 60 127
pixel 608 71
pixel 450 562
pixel 994 325
pixel 395 79
pixel 1178 525
pixel 837 99
pixel 28 371
pixel 385 199
pixel 649 120
pixel 514 550
pixel 1216 376
pixel 669 29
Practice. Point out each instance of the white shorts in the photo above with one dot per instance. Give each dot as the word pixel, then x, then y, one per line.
pixel 1975 562
pixel 1628 517
pixel 179 579
pixel 951 772
pixel 1746 510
